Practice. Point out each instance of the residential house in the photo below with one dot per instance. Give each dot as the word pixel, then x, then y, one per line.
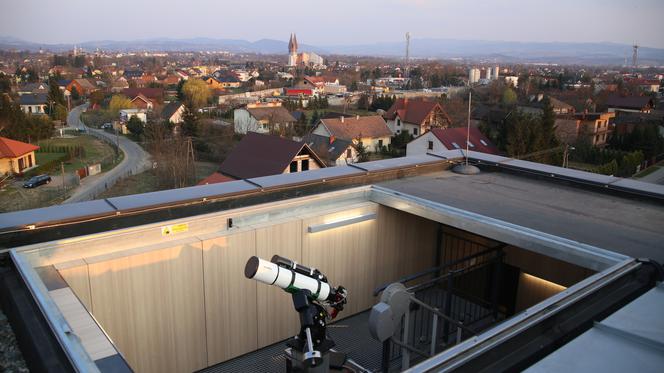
pixel 32 88
pixel 371 131
pixel 222 82
pixel 441 139
pixel 173 112
pixel 170 80
pixel 263 155
pixel 156 95
pixel 415 116
pixel 593 126
pixel 625 122
pixel 333 151
pixel 83 86
pixel 262 118
pixel 642 104
pixel 16 157
pixel 119 84
pixel 321 84
pixel 133 74
pixel 142 102
pixel 34 103
pixel 559 107
pixel 127 114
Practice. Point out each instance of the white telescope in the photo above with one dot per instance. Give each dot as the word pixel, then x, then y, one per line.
pixel 290 280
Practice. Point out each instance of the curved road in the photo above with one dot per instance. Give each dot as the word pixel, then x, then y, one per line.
pixel 136 160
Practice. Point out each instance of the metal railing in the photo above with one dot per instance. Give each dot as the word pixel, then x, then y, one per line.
pixel 443 311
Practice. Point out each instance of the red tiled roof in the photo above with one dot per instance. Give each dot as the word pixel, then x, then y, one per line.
pixel 11 148
pixel 350 128
pixel 215 178
pixel 451 136
pixel 262 155
pixel 151 93
pixel 413 111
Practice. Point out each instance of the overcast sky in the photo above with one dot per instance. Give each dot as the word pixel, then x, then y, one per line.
pixel 334 22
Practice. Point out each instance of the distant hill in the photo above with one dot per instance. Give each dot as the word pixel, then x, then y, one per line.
pixel 498 51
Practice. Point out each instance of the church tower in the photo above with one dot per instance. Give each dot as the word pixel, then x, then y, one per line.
pixel 292 50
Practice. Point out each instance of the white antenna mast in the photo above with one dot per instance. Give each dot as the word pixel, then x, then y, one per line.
pixel 470 99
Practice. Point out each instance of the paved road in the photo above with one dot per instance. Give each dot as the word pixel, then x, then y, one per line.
pixel 136 160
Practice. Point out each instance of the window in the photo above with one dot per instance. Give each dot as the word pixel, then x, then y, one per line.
pixel 456 146
pixel 293 166
pixel 305 164
pixel 484 143
pixel 349 153
pixel 29 160
pixel 471 144
pixel 380 143
pixel 398 122
pixel 430 146
pixel 415 130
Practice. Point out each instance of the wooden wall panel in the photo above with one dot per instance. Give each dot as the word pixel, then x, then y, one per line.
pixel 533 290
pixel 230 298
pixel 347 255
pixel 406 244
pixel 277 319
pixel 78 280
pixel 551 269
pixel 151 305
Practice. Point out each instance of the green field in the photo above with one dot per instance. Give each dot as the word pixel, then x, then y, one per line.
pixel 96 151
pixel 649 170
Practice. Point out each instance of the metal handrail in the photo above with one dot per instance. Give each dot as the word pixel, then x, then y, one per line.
pixel 444 316
pixel 436 269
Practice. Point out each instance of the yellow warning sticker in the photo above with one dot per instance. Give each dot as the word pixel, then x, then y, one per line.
pixel 174 229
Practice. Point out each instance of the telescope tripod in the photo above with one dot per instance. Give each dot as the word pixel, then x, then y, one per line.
pixel 310 350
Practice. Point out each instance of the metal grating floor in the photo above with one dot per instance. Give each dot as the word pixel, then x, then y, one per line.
pixel 351 336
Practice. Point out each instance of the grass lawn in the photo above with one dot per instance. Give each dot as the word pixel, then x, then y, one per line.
pixel 649 170
pixel 47 157
pixel 96 151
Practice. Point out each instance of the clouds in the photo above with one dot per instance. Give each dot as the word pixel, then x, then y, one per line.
pixel 339 21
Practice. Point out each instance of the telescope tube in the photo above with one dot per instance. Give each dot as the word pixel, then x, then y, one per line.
pixel 272 274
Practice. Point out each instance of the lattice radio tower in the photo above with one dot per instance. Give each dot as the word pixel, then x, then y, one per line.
pixel 635 55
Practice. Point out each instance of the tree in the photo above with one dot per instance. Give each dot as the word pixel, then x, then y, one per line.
pixel 548 126
pixel 119 102
pixel 189 121
pixel 97 98
pixel 315 117
pixel 509 97
pixel 135 126
pixel 55 96
pixel 363 102
pixel 362 153
pixel 196 92
pixel 75 95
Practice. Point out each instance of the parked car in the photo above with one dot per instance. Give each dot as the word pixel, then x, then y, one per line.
pixel 36 181
pixel 106 126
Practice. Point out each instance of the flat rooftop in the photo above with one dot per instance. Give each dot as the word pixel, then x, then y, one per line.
pixel 624 225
